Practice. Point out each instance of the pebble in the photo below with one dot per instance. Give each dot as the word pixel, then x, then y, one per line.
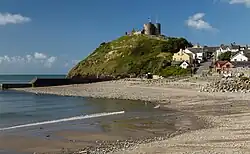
pixel 228 85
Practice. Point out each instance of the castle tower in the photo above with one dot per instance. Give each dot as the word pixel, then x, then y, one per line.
pixel 157 28
pixel 148 28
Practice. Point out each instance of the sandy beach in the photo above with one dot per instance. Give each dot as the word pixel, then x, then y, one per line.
pixel 225 115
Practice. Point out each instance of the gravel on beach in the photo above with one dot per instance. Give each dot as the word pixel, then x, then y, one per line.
pixel 227 113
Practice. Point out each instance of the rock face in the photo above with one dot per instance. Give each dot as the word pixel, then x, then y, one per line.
pixel 131 56
pixel 228 85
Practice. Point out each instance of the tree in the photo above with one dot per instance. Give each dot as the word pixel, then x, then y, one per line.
pixel 225 56
pixel 175 44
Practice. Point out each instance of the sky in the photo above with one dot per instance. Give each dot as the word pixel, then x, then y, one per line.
pixel 51 36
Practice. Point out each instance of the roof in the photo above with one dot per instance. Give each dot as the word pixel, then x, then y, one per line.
pixel 210 49
pixel 224 47
pixel 184 62
pixel 235 47
pixel 190 55
pixel 221 62
pixel 195 50
pixel 247 53
pixel 241 63
pixel 233 55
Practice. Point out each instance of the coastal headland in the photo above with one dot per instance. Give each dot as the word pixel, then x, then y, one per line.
pixel 189 114
pixel 223 117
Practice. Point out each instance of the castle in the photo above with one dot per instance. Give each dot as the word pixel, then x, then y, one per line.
pixel 149 29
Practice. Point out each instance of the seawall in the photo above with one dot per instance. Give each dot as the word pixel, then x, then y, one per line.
pixel 45 82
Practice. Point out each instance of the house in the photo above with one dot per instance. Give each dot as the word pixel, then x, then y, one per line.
pixel 224 48
pixel 223 66
pixel 197 53
pixel 184 65
pixel 243 48
pixel 190 51
pixel 240 56
pixel 235 48
pixel 241 64
pixel 182 56
pixel 209 51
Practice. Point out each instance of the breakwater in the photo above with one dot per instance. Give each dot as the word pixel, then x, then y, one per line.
pixel 45 82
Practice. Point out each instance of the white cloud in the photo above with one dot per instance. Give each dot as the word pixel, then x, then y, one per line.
pixel 7 18
pixel 244 2
pixel 197 21
pixel 36 58
pixel 50 61
pixel 29 58
pixel 38 55
pixel 35 63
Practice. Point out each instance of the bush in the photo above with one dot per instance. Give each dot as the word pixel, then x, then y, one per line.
pixel 225 56
pixel 174 71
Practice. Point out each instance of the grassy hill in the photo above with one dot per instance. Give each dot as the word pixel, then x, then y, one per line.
pixel 132 55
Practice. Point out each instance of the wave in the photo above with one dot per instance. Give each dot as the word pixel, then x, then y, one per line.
pixel 64 120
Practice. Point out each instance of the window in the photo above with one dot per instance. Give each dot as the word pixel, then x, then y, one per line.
pixel 174 59
pixel 180 58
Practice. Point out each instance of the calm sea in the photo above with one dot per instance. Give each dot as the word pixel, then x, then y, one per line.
pixel 19 110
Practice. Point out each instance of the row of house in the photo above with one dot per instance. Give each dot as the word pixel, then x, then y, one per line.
pixel 240 58
pixel 191 56
pixel 226 67
pixel 233 48
pixel 197 54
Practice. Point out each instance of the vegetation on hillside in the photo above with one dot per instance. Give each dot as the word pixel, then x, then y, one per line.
pixel 132 55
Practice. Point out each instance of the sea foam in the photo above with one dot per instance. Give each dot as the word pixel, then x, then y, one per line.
pixel 64 120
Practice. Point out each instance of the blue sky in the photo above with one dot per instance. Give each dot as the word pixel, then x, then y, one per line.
pixel 50 36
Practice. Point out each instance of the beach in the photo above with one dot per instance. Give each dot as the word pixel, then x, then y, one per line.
pixel 222 119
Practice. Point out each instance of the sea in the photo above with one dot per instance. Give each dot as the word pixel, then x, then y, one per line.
pixel 20 111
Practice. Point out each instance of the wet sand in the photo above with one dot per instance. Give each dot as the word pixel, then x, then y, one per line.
pixel 115 133
pixel 225 116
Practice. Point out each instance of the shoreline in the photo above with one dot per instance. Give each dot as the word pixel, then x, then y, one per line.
pixel 114 136
pixel 212 108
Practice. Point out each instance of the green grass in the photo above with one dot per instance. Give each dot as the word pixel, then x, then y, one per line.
pixel 132 55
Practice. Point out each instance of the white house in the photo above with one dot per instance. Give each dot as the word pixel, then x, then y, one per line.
pixel 224 49
pixel 199 56
pixel 197 53
pixel 239 57
pixel 235 48
pixel 184 65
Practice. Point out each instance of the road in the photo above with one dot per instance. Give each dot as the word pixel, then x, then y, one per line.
pixel 204 66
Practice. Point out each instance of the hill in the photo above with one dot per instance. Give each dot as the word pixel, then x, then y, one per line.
pixel 132 55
